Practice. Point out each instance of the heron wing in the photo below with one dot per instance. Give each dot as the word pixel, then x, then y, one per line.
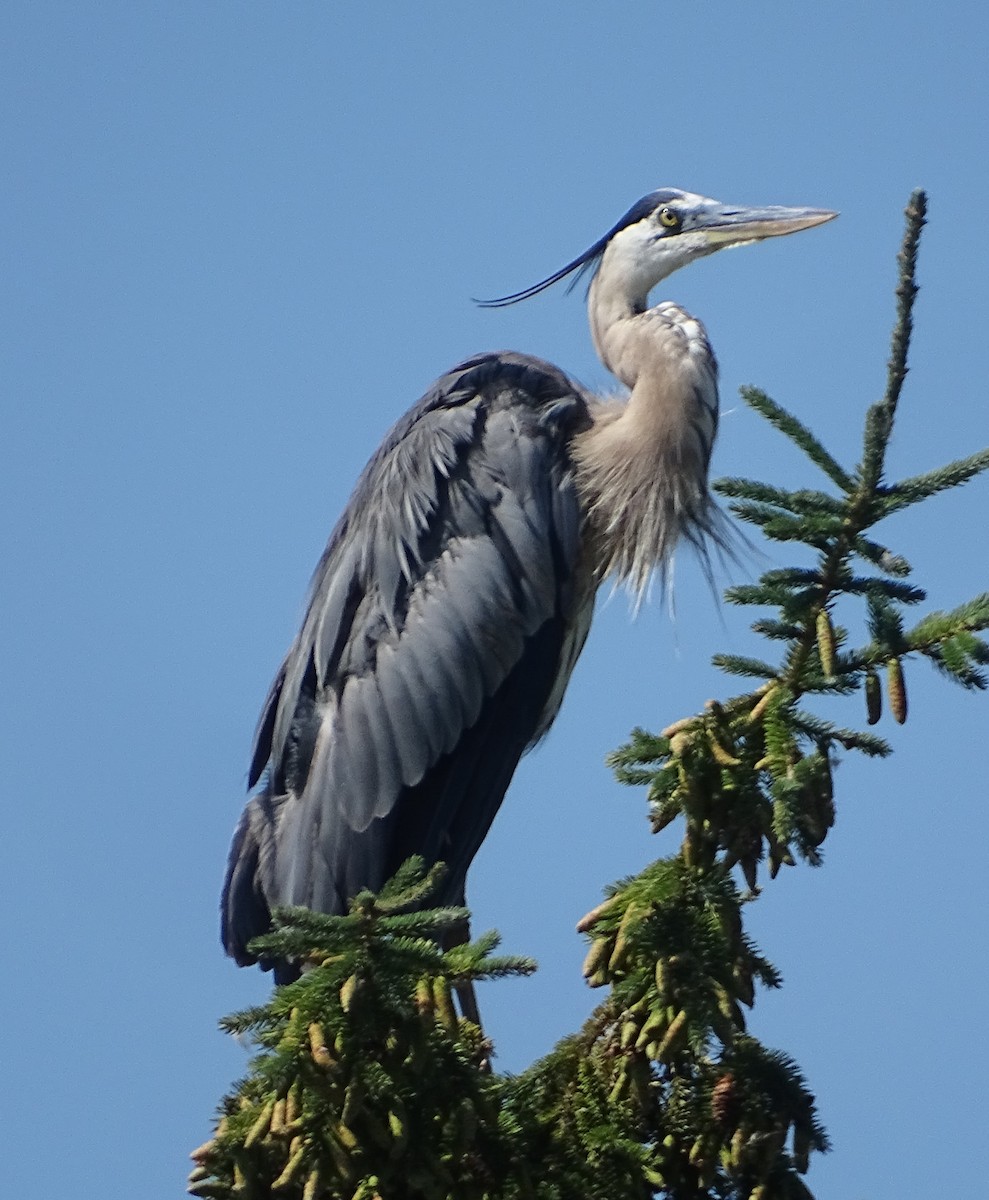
pixel 443 614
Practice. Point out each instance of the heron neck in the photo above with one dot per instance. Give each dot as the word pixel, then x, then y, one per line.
pixel 632 347
pixel 615 307
pixel 664 358
pixel 642 464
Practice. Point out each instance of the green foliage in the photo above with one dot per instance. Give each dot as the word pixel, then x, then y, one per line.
pixel 368 1084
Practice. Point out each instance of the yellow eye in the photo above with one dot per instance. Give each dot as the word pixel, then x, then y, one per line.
pixel 669 218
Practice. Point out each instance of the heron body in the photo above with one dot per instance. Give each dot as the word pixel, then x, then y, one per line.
pixel 454 597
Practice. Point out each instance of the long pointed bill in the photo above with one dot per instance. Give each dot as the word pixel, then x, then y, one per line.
pixel 733 226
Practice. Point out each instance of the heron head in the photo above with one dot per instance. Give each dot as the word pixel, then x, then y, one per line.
pixel 666 230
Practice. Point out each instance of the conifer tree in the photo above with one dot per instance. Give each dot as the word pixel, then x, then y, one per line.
pixel 367 1084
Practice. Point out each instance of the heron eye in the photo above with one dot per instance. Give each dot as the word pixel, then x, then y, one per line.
pixel 670 218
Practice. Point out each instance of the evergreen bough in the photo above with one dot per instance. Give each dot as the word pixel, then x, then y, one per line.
pixel 368 1085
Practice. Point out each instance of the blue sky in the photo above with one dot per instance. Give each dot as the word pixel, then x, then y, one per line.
pixel 238 241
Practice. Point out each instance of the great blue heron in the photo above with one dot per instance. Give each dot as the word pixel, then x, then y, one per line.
pixel 450 606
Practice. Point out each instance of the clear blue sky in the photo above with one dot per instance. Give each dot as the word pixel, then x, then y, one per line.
pixel 238 240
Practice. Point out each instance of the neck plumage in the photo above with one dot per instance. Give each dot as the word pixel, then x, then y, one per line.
pixel 642 465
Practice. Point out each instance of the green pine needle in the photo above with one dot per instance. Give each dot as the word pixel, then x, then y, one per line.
pixel 879 419
pixel 737 664
pixel 880 556
pixel 803 501
pixel 936 626
pixel 798 433
pixel 919 487
pixel 883 589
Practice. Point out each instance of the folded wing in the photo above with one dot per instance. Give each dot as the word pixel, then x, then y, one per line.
pixel 444 619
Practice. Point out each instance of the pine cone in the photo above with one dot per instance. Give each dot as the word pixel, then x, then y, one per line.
pixel 724 1100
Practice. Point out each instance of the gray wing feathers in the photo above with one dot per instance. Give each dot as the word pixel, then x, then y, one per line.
pixel 460 543
pixel 458 642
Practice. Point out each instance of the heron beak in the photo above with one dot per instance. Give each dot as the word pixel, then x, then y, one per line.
pixel 733 226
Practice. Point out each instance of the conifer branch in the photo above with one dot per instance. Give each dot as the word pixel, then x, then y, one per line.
pixel 906 293
pixel 879 420
pixel 802 501
pixel 366 1079
pixel 798 433
pixel 920 487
